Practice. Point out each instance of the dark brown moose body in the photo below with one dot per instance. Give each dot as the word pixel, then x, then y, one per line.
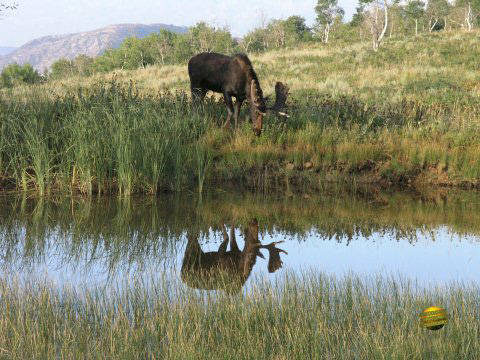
pixel 222 269
pixel 231 76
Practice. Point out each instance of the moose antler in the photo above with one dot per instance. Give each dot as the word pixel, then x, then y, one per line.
pixel 281 94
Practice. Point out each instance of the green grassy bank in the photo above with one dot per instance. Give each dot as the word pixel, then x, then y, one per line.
pixel 300 317
pixel 408 115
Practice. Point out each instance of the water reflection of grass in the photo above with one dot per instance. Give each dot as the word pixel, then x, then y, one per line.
pixel 311 316
pixel 131 231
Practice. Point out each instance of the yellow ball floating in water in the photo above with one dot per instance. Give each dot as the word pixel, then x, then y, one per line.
pixel 433 318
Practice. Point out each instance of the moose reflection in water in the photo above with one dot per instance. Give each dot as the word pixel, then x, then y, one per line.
pixel 227 270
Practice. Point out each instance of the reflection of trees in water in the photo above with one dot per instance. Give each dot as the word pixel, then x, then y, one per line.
pixel 128 233
pixel 85 232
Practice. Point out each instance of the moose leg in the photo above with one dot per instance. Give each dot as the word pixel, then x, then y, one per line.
pixel 238 105
pixel 233 242
pixel 223 246
pixel 229 104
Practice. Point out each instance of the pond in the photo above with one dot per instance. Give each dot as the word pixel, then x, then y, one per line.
pixel 429 237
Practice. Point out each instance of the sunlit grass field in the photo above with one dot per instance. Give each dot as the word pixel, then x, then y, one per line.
pixel 407 115
pixel 310 316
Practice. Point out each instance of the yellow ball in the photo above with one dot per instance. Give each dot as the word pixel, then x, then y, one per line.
pixel 433 318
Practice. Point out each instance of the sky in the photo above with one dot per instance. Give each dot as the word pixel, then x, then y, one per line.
pixel 37 18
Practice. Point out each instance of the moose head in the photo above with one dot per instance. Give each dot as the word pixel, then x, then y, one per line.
pixel 258 109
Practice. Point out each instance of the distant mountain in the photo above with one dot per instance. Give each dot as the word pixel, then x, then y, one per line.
pixel 41 53
pixel 4 50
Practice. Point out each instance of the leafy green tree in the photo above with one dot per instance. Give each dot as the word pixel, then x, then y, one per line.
pixel 280 33
pixel 359 17
pixel 63 68
pixel 327 12
pixel 205 38
pixel 296 30
pixel 255 41
pixel 162 46
pixel 415 10
pixel 135 53
pixel 182 49
pixel 84 65
pixel 81 65
pixel 110 60
pixel 132 54
pixel 15 74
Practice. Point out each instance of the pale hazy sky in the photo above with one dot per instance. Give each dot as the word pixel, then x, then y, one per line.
pixel 36 18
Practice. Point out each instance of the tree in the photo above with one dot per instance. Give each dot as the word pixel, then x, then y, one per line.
pixel 162 44
pixel 397 18
pixel 255 41
pixel 15 74
pixel 276 36
pixel 373 15
pixel 111 59
pixel 295 30
pixel 415 9
pixel 135 53
pixel 327 11
pixel 291 31
pixel 4 7
pixel 84 65
pixel 182 49
pixel 471 12
pixel 62 68
pixel 205 38
pixel 359 17
pixel 81 65
pixel 437 12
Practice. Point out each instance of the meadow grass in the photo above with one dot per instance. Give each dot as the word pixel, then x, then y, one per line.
pixel 405 115
pixel 309 316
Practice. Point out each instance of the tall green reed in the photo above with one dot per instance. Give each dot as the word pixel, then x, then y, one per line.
pixel 111 139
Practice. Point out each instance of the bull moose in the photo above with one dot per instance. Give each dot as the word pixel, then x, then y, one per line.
pixel 226 270
pixel 233 76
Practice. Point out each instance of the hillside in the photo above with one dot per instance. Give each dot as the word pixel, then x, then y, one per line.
pixel 436 68
pixel 43 52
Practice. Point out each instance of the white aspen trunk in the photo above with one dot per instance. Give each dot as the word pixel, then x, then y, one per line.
pixel 435 23
pixel 380 38
pixel 416 27
pixel 326 33
pixel 445 23
pixel 374 30
pixel 468 17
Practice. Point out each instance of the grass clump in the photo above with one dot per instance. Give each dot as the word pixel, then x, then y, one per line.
pixel 298 317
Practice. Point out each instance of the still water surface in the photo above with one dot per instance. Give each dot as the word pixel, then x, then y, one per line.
pixel 431 238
